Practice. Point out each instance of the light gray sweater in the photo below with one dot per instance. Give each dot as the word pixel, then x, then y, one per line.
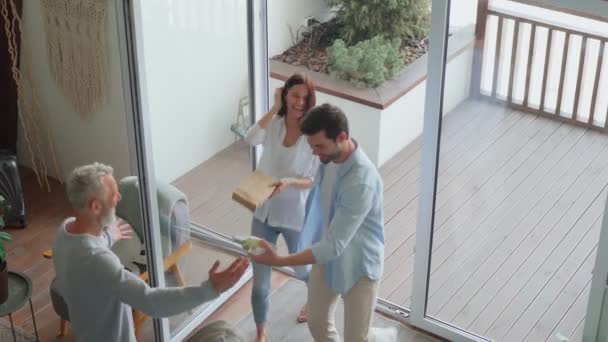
pixel 99 292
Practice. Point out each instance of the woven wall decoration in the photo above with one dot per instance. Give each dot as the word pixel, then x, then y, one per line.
pixel 77 39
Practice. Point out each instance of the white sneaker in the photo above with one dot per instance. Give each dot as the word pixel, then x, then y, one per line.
pixel 384 334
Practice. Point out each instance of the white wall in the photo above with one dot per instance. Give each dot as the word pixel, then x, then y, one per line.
pixel 463 13
pixel 101 137
pixel 195 56
pixel 283 14
pixel 403 121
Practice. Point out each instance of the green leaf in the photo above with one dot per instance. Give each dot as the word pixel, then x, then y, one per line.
pixel 366 64
pixel 364 19
pixel 5 236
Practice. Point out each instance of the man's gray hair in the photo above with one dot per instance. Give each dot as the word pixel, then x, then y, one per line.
pixel 86 183
pixel 218 331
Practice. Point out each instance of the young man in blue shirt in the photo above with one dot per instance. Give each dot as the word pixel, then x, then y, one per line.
pixel 344 228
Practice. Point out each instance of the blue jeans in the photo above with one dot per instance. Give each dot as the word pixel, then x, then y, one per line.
pixel 260 294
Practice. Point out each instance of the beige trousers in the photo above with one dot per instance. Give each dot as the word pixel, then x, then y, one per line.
pixel 359 304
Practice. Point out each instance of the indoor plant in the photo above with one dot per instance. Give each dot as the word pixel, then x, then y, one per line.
pixel 4 236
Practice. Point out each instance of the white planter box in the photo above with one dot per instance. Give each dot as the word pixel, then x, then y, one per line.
pixel 386 119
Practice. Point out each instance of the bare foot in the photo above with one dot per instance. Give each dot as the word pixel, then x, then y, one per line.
pixel 261 338
pixel 303 316
pixel 261 333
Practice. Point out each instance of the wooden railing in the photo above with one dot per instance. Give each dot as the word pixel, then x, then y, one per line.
pixel 524 38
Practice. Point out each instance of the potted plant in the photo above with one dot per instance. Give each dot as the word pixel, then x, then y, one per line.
pixel 4 236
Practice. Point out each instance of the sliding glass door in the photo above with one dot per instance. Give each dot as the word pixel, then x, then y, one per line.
pixel 595 325
pixel 514 172
pixel 498 241
pixel 196 74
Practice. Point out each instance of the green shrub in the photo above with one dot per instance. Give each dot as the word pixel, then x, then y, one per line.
pixel 365 19
pixel 368 63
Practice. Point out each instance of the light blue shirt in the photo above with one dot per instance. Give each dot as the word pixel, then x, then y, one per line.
pixel 353 246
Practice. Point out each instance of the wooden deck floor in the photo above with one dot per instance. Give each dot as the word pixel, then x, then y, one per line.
pixel 519 204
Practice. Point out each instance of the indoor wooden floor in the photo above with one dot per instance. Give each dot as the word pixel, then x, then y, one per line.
pixel 45 212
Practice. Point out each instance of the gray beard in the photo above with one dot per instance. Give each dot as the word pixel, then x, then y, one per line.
pixel 108 218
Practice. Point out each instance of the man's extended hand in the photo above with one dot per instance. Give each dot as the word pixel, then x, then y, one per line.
pixel 120 230
pixel 269 257
pixel 224 280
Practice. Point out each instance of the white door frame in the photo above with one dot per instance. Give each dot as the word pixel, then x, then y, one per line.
pixel 128 14
pixel 431 136
pixel 596 308
pixel 598 299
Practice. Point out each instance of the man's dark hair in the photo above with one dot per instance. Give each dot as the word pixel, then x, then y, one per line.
pixel 327 118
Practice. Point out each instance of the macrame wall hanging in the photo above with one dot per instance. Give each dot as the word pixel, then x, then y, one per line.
pixel 32 117
pixel 77 42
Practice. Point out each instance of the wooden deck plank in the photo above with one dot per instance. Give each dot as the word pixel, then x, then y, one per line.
pixel 569 322
pixel 486 202
pixel 543 329
pixel 453 122
pixel 501 273
pixel 455 231
pixel 552 259
pixel 400 232
pixel 405 216
pixel 565 209
pixel 451 153
pixel 453 137
pixel 486 162
pixel 494 208
pixel 508 168
pixel 547 283
pixel 488 174
pixel 578 332
pixel 507 216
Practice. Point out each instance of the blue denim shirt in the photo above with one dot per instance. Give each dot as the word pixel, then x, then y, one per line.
pixel 353 246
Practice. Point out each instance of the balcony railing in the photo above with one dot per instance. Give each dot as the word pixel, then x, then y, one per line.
pixel 523 54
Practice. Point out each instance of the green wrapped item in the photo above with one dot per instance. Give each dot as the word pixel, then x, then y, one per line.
pixel 250 244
